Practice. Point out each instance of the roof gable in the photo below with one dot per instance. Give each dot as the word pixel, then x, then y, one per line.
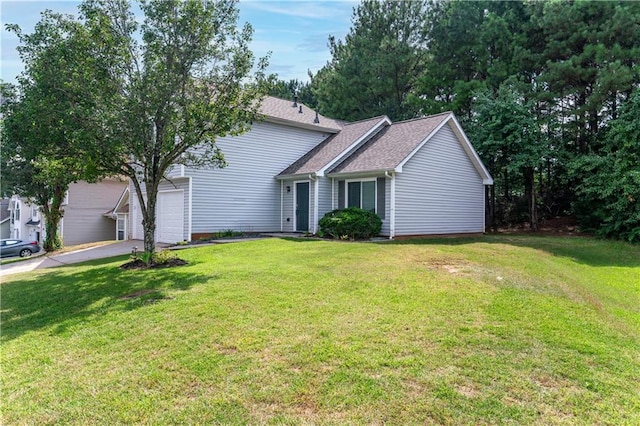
pixel 332 149
pixel 389 148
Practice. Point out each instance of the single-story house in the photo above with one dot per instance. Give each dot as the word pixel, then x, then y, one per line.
pixel 421 176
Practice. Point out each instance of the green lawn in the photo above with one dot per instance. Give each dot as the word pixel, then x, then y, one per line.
pixel 506 329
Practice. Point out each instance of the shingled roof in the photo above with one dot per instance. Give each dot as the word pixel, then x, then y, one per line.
pixel 335 146
pixel 393 144
pixel 283 111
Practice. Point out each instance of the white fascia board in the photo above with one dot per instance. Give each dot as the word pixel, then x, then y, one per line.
pixel 125 192
pixel 384 120
pixel 308 126
pixel 398 168
pixel 309 176
pixel 363 174
pixel 466 145
pixel 473 155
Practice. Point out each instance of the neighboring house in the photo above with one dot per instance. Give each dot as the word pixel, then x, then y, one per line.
pixel 84 220
pixel 5 219
pixel 120 213
pixel 25 220
pixel 420 176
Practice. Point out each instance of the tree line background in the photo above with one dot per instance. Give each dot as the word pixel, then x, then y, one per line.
pixel 548 93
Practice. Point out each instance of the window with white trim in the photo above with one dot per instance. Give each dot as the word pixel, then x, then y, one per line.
pixel 367 194
pixel 362 194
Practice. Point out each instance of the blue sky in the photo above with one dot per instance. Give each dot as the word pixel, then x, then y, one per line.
pixel 296 32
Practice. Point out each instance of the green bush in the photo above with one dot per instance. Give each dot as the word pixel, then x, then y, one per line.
pixel 352 222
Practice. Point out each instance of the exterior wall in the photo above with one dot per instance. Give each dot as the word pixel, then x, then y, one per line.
pixel 5 230
pixel 245 196
pixel 135 215
pixel 288 211
pixel 439 190
pixel 83 215
pixel 386 222
pixel 18 228
pixel 387 201
pixel 324 196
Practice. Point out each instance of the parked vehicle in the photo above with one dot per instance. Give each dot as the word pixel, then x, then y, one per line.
pixel 12 247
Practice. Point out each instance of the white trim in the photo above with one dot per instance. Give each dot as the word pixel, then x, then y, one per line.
pixel 316 186
pixel 392 208
pixel 398 168
pixel 484 173
pixel 354 145
pixel 333 194
pixel 125 217
pixel 190 209
pixel 295 202
pixel 484 209
pixel 281 206
pixel 157 231
pixel 181 170
pixel 464 141
pixel 375 191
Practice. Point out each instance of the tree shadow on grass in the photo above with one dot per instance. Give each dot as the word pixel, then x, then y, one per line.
pixel 62 297
pixel 585 250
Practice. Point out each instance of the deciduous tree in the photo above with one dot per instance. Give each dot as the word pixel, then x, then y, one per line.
pixel 182 79
pixel 48 120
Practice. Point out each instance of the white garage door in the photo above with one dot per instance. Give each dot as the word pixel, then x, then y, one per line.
pixel 170 216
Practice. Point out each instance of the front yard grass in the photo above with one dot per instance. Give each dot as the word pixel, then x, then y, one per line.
pixel 498 329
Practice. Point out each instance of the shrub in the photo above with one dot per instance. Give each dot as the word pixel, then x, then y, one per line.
pixel 351 222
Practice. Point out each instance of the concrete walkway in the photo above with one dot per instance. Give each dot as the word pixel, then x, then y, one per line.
pixel 99 252
pixel 111 249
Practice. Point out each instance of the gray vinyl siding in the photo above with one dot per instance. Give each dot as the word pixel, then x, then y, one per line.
pixel 439 190
pixel 287 206
pixel 324 197
pixel 387 203
pixel 387 209
pixel 84 219
pixel 179 183
pixel 245 196
pixel 135 215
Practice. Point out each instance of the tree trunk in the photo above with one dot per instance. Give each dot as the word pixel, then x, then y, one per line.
pixel 149 224
pixel 52 215
pixel 529 179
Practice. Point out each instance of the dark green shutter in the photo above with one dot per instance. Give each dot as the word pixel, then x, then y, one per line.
pixel 341 194
pixel 381 197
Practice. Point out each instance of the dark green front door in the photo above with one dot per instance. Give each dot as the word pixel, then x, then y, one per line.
pixel 302 206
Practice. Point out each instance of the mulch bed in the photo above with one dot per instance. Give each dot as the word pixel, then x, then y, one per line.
pixel 138 264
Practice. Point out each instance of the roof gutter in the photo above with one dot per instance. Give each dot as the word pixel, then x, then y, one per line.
pixel 364 173
pixel 300 125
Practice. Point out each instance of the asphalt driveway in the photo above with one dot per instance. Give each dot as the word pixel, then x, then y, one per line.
pixel 44 261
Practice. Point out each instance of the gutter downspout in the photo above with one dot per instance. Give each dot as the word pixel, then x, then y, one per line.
pixel 190 209
pixel 333 194
pixel 392 214
pixel 316 185
pixel 281 205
